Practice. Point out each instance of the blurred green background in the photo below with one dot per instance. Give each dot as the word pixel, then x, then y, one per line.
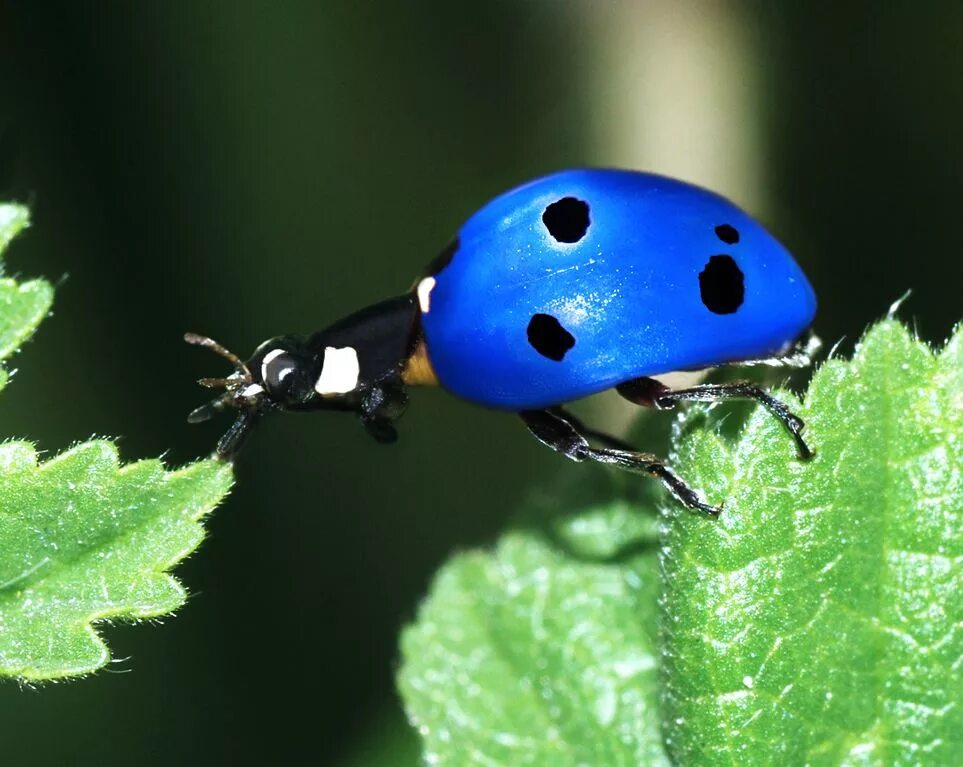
pixel 251 168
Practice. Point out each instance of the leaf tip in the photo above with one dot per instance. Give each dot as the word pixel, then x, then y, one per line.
pixel 14 218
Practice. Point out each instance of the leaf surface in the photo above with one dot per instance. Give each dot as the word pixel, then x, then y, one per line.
pixel 538 652
pixel 82 538
pixel 821 620
pixel 22 304
pixel 818 621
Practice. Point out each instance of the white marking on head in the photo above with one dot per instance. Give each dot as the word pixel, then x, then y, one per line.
pixel 424 293
pixel 340 372
pixel 270 357
pixel 251 390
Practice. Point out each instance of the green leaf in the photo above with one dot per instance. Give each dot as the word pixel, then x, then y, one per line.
pixel 820 620
pixel 84 539
pixel 13 220
pixel 514 660
pixel 22 305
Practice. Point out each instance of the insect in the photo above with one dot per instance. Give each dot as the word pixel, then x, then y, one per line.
pixel 571 284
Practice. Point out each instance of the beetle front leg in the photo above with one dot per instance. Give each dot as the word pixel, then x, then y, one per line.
pixel 565 434
pixel 651 393
pixel 381 406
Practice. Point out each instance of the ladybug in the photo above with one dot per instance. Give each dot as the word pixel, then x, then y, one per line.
pixel 577 282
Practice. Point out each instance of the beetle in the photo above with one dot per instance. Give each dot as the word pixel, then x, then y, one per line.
pixel 574 283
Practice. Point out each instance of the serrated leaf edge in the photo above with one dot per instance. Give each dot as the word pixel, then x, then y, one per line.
pixel 89 625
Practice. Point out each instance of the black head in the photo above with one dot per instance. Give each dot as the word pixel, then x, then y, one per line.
pixel 280 375
pixel 359 364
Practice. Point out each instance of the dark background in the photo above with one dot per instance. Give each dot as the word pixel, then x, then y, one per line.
pixel 252 168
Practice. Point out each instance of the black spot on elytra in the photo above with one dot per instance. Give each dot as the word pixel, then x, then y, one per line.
pixel 727 233
pixel 442 260
pixel 722 285
pixel 567 220
pixel 548 337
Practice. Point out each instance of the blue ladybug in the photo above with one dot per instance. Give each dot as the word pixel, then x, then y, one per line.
pixel 577 282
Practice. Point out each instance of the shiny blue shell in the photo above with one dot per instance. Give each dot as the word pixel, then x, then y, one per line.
pixel 628 292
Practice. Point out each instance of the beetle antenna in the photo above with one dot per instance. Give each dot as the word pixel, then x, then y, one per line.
pixel 209 343
pixel 233 397
pixel 216 383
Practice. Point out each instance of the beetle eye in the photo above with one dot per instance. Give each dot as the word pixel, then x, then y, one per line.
pixel 277 372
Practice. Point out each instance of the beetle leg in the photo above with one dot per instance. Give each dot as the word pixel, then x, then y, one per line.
pixel 799 355
pixel 649 392
pixel 380 407
pixel 566 434
pixel 381 429
pixel 589 433
pixel 642 391
pixel 230 444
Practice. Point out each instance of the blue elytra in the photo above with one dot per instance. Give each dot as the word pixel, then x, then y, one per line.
pixel 584 279
pixel 574 283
